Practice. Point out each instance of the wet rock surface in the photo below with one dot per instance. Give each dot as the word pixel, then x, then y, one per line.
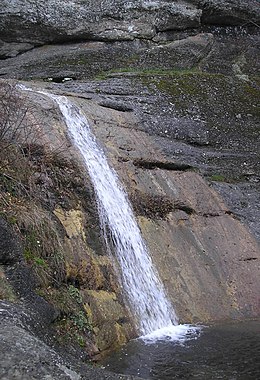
pixel 187 217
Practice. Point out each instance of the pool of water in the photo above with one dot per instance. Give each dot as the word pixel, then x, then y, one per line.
pixel 222 351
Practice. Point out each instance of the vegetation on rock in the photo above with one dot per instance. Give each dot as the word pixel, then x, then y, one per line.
pixel 43 198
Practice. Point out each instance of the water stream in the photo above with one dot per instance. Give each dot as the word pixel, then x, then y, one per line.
pixel 140 281
pixel 145 294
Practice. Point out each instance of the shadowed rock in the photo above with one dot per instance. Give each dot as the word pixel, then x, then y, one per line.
pixel 10 247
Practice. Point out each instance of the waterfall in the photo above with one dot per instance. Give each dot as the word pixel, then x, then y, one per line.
pixel 140 281
pixel 144 291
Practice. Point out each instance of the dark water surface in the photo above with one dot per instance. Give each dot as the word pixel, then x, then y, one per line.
pixel 223 351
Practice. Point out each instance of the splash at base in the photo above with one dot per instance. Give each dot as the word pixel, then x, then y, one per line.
pixel 172 333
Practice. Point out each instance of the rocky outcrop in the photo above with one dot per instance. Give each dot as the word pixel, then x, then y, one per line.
pixel 231 12
pixel 25 356
pixel 135 35
pixel 203 51
pixel 88 60
pixel 39 22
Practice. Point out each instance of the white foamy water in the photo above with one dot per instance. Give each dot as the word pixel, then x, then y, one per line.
pixel 172 333
pixel 145 294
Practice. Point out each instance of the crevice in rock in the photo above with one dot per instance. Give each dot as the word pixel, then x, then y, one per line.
pixel 211 214
pixel 249 259
pixel 228 212
pixel 166 165
pixel 59 91
pixel 122 159
pixel 234 216
pixel 116 106
pixel 60 79
pixel 184 207
pixel 215 214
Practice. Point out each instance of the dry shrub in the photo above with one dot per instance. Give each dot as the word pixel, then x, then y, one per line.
pixel 25 177
pixel 20 140
pixel 26 159
pixel 20 131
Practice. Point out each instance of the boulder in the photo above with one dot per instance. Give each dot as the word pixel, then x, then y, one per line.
pixel 39 22
pixel 181 54
pixel 52 21
pixel 230 12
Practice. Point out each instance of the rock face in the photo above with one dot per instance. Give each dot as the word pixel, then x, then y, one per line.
pixel 230 12
pixel 88 60
pixel 202 51
pixel 25 356
pixel 201 250
pixel 50 21
pixel 172 96
pixel 38 22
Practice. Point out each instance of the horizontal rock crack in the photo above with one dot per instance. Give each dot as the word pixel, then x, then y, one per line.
pixel 166 165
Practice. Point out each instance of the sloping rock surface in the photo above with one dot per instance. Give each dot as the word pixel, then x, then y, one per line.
pixel 25 356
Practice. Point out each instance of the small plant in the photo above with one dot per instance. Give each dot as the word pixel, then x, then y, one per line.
pixel 75 293
pixel 217 178
pixel 33 259
pixel 80 340
pixel 81 322
pixel 27 254
pixel 40 262
pixel 18 131
pixel 145 72
pixel 12 220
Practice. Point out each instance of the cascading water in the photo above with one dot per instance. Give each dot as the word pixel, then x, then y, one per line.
pixel 140 281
